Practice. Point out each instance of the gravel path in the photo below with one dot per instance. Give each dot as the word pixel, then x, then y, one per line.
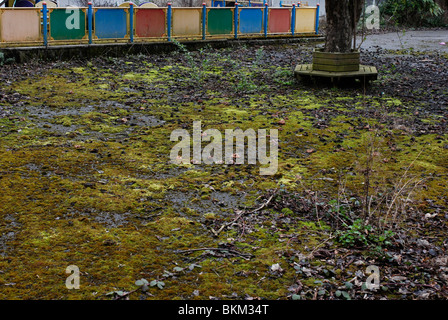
pixel 417 40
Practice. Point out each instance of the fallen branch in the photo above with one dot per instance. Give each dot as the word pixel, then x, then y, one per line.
pixel 241 213
pixel 319 246
pixel 246 256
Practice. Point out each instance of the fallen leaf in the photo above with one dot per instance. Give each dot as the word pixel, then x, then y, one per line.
pixel 398 278
pixel 276 268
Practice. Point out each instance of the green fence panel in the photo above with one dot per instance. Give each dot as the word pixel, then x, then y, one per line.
pixel 220 21
pixel 67 24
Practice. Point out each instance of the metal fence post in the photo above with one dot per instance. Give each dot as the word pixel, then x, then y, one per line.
pixel 235 20
pixel 293 19
pixel 45 23
pixel 168 22
pixel 204 19
pixel 90 21
pixel 131 22
pixel 265 24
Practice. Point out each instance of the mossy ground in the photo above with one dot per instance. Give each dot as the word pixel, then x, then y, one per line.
pixel 86 177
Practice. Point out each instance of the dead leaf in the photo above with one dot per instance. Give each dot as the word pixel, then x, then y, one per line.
pixel 276 268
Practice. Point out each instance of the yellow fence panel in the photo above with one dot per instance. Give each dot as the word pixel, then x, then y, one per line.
pixel 187 22
pixel 20 25
pixel 305 20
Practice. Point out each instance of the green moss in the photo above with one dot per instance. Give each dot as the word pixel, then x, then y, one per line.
pixel 105 197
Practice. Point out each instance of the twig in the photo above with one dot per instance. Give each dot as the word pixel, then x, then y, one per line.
pixel 125 294
pixel 234 252
pixel 317 210
pixel 241 213
pixel 363 30
pixel 403 186
pixel 370 148
pixel 414 283
pixel 318 246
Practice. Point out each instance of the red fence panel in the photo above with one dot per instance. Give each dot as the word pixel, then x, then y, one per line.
pixel 279 20
pixel 150 23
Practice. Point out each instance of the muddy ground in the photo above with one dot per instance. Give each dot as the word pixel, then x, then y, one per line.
pixel 86 178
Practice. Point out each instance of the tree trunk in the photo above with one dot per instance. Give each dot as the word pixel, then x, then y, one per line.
pixel 342 19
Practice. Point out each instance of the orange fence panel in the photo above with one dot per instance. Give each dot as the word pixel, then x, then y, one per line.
pixel 187 22
pixel 305 20
pixel 20 25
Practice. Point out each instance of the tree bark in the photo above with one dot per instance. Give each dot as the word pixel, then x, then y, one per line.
pixel 342 19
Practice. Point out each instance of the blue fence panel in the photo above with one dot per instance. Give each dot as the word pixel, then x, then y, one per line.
pixel 110 23
pixel 251 20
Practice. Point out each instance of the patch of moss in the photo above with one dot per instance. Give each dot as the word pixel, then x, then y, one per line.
pixel 106 198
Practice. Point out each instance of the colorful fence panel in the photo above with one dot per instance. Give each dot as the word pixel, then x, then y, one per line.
pixel 279 20
pixel 20 25
pixel 150 23
pixel 305 20
pixel 24 25
pixel 111 23
pixel 220 21
pixel 187 22
pixel 67 24
pixel 250 20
